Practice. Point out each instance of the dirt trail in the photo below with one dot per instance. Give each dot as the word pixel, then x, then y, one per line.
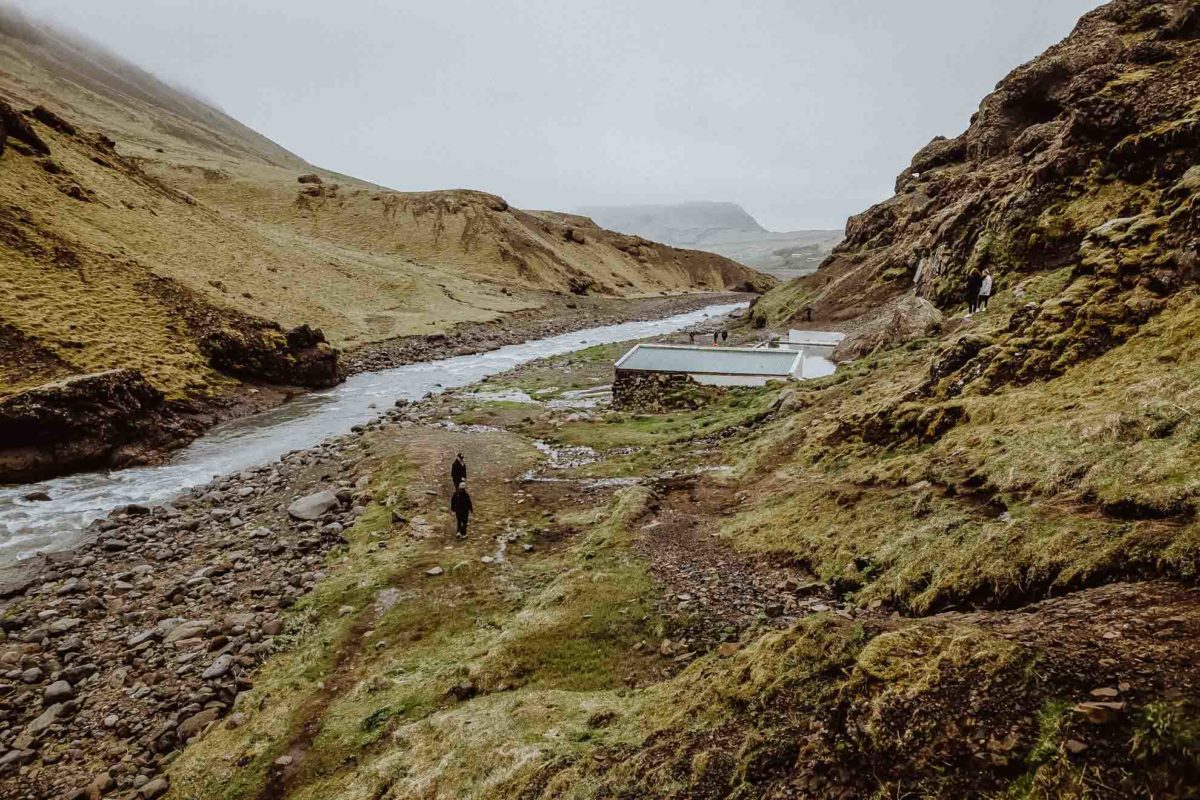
pixel 711 592
pixel 496 460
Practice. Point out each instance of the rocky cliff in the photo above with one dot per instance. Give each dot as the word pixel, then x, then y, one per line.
pixel 1081 165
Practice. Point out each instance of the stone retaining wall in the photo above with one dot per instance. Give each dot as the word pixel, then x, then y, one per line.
pixel 659 391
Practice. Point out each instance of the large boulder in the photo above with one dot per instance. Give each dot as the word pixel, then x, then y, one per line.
pixel 52 120
pixel 313 506
pixel 910 317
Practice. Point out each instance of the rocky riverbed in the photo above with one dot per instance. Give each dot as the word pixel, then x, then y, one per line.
pixel 560 316
pixel 115 654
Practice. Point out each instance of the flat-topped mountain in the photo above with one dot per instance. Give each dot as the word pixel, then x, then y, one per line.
pixel 723 228
pixel 678 223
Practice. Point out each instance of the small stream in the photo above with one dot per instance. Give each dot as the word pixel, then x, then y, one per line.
pixel 27 527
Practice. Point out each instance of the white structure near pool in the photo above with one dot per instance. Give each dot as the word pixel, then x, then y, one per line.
pixel 723 366
pixel 820 343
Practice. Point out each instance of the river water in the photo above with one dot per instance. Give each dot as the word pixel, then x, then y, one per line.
pixel 27 527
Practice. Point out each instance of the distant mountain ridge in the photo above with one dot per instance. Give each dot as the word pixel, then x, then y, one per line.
pixel 679 224
pixel 724 228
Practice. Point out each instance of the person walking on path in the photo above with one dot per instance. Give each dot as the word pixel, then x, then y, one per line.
pixel 974 282
pixel 724 336
pixel 692 337
pixel 985 290
pixel 460 504
pixel 716 339
pixel 458 470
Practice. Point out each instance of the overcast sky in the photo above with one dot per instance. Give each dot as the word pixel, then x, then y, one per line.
pixel 803 111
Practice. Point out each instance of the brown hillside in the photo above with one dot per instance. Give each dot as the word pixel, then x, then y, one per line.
pixel 141 228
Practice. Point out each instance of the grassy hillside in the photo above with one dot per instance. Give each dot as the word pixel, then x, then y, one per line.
pixel 963 566
pixel 147 200
pixel 798 598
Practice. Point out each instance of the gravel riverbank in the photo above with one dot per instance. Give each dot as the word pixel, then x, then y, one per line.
pixel 116 653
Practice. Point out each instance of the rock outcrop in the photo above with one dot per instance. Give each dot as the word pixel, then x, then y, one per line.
pixel 75 423
pixel 265 352
pixel 1081 163
pixel 908 318
pixel 13 126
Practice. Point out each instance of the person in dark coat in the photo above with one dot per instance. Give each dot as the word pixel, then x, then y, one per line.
pixel 974 281
pixel 462 507
pixel 716 338
pixel 724 337
pixel 458 470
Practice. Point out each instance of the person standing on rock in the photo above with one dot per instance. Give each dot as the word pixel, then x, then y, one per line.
pixel 974 282
pixel 985 290
pixel 458 470
pixel 462 507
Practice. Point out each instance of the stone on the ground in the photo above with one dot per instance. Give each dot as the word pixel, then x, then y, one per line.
pixel 187 630
pixel 154 789
pixel 58 692
pixel 313 506
pixel 433 572
pixel 218 668
pixel 44 720
pixel 64 625
pixel 1100 713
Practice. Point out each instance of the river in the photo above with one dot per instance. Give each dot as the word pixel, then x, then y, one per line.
pixel 27 527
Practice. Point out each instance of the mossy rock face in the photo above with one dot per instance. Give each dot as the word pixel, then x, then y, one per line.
pixel 1080 159
pixel 899 424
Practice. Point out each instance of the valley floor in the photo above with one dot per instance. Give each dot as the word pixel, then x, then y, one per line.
pixel 599 634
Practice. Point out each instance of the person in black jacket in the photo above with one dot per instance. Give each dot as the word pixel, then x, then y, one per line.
pixel 462 507
pixel 974 281
pixel 458 470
